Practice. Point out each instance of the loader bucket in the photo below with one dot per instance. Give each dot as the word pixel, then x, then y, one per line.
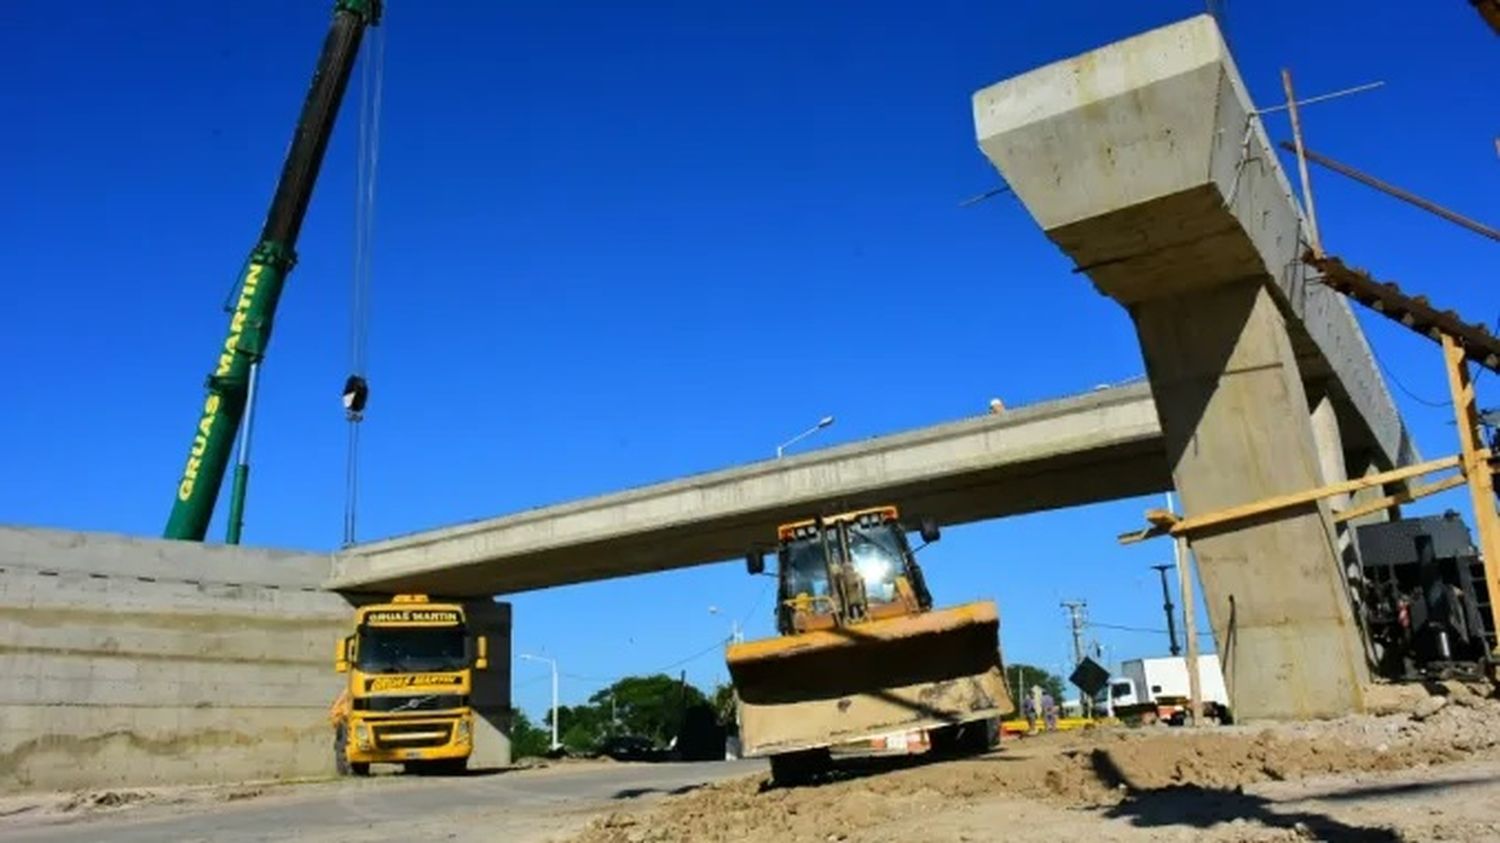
pixel 827 687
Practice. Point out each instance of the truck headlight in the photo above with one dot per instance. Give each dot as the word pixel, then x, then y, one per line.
pixel 464 732
pixel 362 736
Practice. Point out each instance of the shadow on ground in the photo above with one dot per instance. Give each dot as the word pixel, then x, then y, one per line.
pixel 848 768
pixel 638 792
pixel 1202 807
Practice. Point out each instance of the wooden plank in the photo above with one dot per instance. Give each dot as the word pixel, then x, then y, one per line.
pixel 1188 526
pixel 1406 495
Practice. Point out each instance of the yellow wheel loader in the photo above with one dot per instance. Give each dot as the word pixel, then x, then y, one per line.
pixel 861 652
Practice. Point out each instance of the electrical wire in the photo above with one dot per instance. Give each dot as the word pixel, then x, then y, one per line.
pixel 1142 629
pixel 1389 373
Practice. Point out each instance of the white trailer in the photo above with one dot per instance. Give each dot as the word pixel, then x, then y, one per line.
pixel 1162 683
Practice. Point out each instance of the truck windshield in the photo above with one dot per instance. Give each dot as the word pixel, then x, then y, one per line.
pixel 403 649
pixel 876 554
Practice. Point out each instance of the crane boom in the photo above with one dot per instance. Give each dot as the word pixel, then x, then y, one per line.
pixel 231 384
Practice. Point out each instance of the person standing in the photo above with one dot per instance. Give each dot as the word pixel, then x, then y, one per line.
pixel 1049 712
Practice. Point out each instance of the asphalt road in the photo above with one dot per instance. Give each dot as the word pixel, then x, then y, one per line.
pixel 522 805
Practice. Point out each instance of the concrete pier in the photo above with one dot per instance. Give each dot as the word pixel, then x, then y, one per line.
pixel 1144 161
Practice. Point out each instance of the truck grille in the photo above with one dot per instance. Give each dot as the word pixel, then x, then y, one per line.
pixel 412 735
pixel 420 702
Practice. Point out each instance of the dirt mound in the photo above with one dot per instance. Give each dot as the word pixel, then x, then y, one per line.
pixel 1076 770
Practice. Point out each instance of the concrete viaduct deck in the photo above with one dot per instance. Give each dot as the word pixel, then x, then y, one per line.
pixel 1100 446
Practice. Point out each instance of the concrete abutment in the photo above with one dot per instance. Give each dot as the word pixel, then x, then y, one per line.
pixel 130 662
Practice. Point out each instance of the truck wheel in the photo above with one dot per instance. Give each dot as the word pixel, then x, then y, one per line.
pixel 341 763
pixel 790 769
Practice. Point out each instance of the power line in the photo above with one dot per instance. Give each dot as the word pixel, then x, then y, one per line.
pixel 1441 405
pixel 1142 629
pixel 663 669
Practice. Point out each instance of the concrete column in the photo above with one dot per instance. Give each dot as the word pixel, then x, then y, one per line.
pixel 491 696
pixel 1237 427
pixel 1330 445
pixel 1366 464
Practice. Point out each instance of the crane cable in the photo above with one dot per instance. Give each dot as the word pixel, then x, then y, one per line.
pixel 356 387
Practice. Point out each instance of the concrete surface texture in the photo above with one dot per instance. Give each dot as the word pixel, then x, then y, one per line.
pixel 490 696
pixel 132 661
pixel 1144 162
pixel 1239 430
pixel 1077 450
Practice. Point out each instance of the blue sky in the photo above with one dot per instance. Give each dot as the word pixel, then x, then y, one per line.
pixel 603 237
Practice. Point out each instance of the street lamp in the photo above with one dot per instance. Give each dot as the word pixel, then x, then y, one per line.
pixel 553 663
pixel 822 423
pixel 735 636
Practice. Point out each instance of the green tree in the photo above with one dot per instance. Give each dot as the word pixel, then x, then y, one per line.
pixel 580 728
pixel 723 701
pixel 1019 677
pixel 527 740
pixel 648 706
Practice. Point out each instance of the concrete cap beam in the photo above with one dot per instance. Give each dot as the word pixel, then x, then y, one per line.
pixel 1145 161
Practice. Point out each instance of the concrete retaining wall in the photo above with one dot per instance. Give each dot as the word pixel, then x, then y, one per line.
pixel 130 661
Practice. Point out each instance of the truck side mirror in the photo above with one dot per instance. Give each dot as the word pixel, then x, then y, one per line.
pixel 341 655
pixel 755 563
pixel 482 652
pixel 930 531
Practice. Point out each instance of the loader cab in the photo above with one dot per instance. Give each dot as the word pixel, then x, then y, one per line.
pixel 846 569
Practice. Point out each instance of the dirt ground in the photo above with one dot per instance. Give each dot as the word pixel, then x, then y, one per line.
pixel 1429 771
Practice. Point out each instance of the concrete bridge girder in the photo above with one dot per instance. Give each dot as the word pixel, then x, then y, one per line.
pixel 1095 447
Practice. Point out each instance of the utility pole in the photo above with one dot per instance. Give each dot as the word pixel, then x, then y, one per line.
pixel 1180 551
pixel 1077 617
pixel 1166 597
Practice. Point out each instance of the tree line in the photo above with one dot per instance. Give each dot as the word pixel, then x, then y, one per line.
pixel 655 708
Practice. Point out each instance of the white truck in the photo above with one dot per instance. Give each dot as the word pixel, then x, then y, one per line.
pixel 1152 690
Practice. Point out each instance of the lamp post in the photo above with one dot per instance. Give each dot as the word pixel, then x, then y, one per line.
pixel 735 636
pixel 822 423
pixel 553 664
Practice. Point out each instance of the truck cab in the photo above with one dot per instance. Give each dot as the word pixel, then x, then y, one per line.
pixel 410 666
pixel 1120 693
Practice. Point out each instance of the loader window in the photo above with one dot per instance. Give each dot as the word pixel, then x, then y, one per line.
pixel 404 649
pixel 876 554
pixel 805 569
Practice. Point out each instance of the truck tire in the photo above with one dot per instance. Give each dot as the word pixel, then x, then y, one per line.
pixel 341 763
pixel 790 769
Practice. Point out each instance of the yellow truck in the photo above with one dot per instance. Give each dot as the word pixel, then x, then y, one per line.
pixel 862 654
pixel 410 664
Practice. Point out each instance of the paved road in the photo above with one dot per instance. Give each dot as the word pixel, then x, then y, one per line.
pixel 514 806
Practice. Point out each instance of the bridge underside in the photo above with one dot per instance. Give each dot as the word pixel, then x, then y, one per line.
pixel 1101 446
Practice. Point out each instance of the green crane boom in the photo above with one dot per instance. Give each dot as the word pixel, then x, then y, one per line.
pixel 231 385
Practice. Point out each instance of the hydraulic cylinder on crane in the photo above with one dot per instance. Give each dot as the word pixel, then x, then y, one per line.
pixel 231 384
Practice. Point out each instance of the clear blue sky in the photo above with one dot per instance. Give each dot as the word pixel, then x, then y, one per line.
pixel 605 235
